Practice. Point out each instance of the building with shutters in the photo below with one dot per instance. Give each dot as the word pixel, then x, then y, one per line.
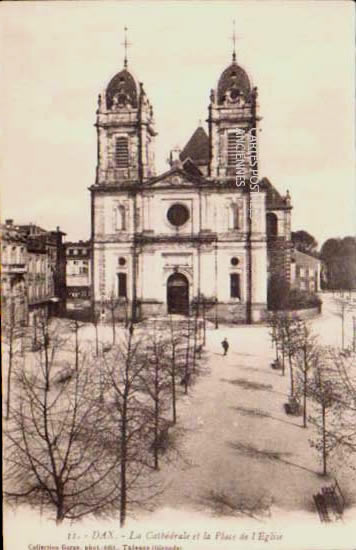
pixel 305 271
pixel 32 273
pixel 78 275
pixel 209 228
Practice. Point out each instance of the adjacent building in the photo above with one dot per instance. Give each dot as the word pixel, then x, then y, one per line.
pixel 78 255
pixel 209 226
pixel 33 273
pixel 305 272
pixel 14 297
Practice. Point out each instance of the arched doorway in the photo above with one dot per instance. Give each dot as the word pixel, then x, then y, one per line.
pixel 178 294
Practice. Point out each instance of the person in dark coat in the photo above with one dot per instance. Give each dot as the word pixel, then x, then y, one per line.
pixel 225 345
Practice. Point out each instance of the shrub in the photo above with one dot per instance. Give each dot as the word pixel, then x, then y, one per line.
pixel 281 297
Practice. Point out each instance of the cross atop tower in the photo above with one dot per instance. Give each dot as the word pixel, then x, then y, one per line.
pixel 233 42
pixel 126 44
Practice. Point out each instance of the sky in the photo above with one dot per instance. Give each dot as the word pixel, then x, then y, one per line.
pixel 57 56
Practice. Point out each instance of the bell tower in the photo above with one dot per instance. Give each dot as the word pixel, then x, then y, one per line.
pixel 125 131
pixel 232 120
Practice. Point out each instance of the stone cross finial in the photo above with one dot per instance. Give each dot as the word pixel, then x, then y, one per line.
pixel 234 42
pixel 126 44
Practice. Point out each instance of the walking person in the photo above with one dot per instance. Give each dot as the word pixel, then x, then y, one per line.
pixel 225 345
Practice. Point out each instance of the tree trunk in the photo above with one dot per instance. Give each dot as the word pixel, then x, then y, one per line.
pixel 46 342
pixel 283 360
pixel 156 431
pixel 156 417
pixel 291 374
pixel 305 382
pixel 60 508
pixel 186 366
pixel 343 328
pixel 9 374
pixel 204 324
pixel 113 326
pixel 123 457
pixel 174 397
pixel 96 339
pixel 76 349
pixel 324 440
pixel 196 328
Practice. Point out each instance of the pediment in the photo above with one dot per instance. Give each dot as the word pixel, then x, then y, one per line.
pixel 176 178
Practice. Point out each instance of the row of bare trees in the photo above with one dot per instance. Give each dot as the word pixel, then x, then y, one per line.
pixel 87 428
pixel 322 379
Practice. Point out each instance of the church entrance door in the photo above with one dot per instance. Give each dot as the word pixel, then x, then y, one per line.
pixel 178 294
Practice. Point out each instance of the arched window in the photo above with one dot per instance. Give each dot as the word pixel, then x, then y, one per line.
pixel 235 290
pixel 120 218
pixel 271 225
pixel 122 285
pixel 235 216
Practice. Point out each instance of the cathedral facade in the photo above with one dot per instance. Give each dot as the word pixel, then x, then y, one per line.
pixel 208 231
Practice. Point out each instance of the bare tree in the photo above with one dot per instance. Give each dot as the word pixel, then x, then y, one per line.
pixel 124 366
pixel 306 357
pixel 291 328
pixel 175 362
pixel 75 326
pixel 112 304
pixel 273 323
pixel 344 362
pixel 156 383
pixel 95 321
pixel 279 338
pixel 11 334
pixel 324 389
pixel 54 454
pixel 344 304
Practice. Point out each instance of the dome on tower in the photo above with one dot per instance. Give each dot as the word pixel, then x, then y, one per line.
pixel 122 90
pixel 234 82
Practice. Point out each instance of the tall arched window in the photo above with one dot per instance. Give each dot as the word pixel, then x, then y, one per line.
pixel 122 285
pixel 235 288
pixel 120 218
pixel 271 225
pixel 235 216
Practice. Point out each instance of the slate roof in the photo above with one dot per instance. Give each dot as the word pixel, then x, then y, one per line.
pixel 273 199
pixel 304 260
pixel 197 148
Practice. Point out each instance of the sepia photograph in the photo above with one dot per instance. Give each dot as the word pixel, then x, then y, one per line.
pixel 178 274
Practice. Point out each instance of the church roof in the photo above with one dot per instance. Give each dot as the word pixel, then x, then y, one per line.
pixel 233 78
pixel 304 260
pixel 273 198
pixel 177 177
pixel 191 168
pixel 197 148
pixel 122 83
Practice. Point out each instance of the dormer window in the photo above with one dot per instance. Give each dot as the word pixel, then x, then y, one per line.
pixel 121 152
